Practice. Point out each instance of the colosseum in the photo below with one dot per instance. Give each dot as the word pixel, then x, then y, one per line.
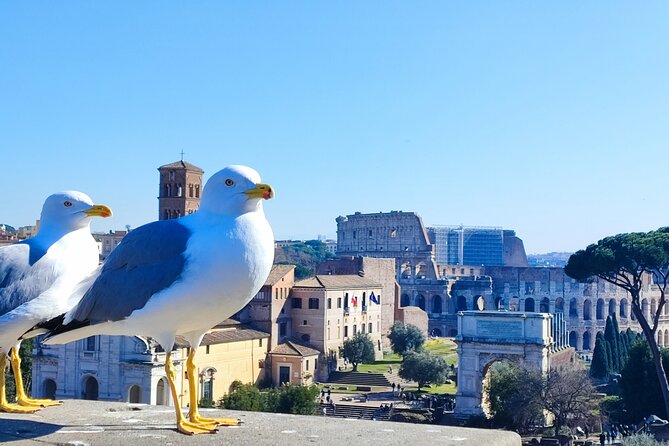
pixel 443 290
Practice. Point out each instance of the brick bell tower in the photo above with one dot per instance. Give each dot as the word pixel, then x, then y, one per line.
pixel 180 189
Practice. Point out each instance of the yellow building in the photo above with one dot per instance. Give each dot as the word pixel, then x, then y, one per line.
pixel 230 351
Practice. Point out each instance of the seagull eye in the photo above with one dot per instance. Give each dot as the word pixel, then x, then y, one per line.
pixel 67 204
pixel 229 182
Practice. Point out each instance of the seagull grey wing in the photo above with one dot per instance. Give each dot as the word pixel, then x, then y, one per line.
pixel 22 278
pixel 148 260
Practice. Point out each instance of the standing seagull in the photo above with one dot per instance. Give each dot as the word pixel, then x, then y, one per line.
pixel 182 277
pixel 38 275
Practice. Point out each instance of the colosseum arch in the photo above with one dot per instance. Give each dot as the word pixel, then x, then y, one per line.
pixel 573 308
pixel 545 305
pixel 420 302
pixel 559 305
pixel 587 340
pixel 645 308
pixel 587 310
pixel 600 309
pixel 529 305
pixel 462 303
pixel 487 337
pixel 479 303
pixel 405 300
pixel 612 307
pixel 623 308
pixel 437 304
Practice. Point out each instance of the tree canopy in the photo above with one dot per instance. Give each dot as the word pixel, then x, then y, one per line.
pixel 630 261
pixel 358 350
pixel 405 338
pixel 424 368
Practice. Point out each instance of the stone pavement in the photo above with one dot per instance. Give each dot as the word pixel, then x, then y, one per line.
pixel 80 422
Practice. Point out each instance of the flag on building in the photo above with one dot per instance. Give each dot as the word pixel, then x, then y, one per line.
pixel 373 298
pixel 354 301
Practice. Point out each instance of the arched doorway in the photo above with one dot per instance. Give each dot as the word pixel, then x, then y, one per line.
pixel 49 389
pixel 405 301
pixel 90 388
pixel 161 393
pixel 420 301
pixel 573 308
pixel 559 305
pixel 135 394
pixel 529 305
pixel 600 309
pixel 612 307
pixel 437 304
pixel 587 341
pixel 545 305
pixel 587 310
pixel 462 303
pixel 573 339
pixel 435 333
pixel 623 308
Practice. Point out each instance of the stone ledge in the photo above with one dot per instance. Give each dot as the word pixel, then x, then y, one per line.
pixel 105 423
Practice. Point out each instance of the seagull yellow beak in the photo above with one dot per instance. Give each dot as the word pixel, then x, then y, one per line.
pixel 264 191
pixel 99 210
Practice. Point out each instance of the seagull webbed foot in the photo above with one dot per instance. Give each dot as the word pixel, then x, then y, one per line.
pixel 216 421
pixel 15 408
pixel 25 401
pixel 191 428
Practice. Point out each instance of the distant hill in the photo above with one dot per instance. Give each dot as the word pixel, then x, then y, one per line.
pixel 305 255
pixel 551 259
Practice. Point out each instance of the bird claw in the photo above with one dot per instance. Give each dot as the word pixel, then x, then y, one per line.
pixel 218 421
pixel 15 408
pixel 38 402
pixel 191 428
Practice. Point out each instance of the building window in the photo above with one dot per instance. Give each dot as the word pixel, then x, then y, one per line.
pixel 89 344
pixel 346 331
pixel 260 342
pixel 313 303
pixel 297 302
pixel 355 329
pixel 180 191
pixel 370 327
pixel 307 364
pixel 304 322
pixel 282 329
pixel 339 302
pixel 362 327
pixel 329 303
pixel 371 233
pixel 206 349
pixel 197 191
pixel 191 192
pixel 315 363
pixel 354 234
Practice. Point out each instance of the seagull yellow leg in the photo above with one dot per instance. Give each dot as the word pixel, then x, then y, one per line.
pixel 193 413
pixel 4 405
pixel 183 425
pixel 21 396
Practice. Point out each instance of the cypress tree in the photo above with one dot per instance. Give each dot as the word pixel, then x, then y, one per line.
pixel 599 364
pixel 624 352
pixel 609 356
pixel 610 335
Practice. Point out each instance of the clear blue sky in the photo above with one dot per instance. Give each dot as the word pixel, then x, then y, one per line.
pixel 550 118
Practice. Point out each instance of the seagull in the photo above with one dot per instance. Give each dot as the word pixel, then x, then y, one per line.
pixel 181 277
pixel 37 277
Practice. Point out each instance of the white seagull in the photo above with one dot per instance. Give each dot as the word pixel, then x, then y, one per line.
pixel 181 277
pixel 37 277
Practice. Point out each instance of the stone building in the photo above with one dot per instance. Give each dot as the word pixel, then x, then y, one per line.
pixel 179 190
pixel 132 368
pixel 444 290
pixel 109 241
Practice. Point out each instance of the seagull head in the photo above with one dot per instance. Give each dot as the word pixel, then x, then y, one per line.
pixel 70 210
pixel 235 190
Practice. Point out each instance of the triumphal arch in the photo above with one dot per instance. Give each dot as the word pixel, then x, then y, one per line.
pixel 485 337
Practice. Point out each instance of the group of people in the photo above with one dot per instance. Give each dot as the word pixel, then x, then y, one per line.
pixel 615 431
pixel 327 396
